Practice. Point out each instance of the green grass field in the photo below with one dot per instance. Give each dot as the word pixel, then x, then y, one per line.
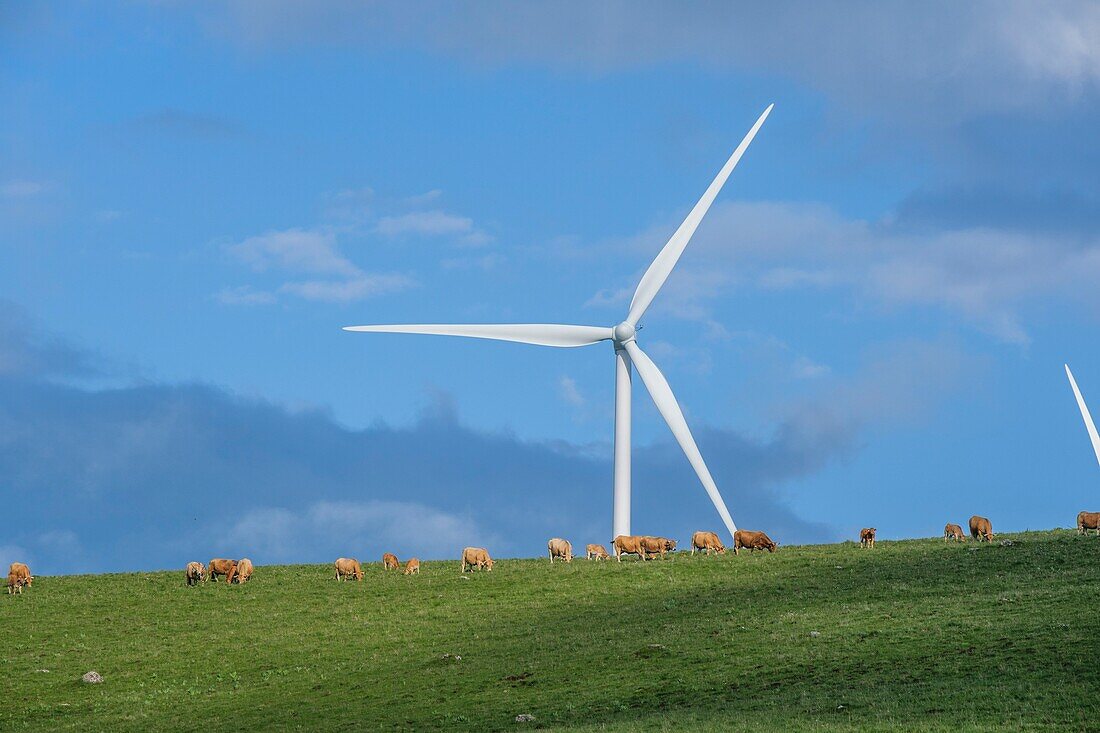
pixel 914 635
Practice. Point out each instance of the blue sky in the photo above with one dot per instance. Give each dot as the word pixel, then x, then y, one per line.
pixel 867 330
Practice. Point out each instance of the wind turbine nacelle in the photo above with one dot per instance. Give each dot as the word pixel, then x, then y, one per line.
pixel 624 332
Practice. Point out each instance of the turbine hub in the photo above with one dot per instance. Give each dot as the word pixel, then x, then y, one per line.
pixel 624 332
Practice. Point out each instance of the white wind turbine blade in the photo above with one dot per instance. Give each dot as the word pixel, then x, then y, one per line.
pixel 1089 425
pixel 661 267
pixel 540 334
pixel 666 403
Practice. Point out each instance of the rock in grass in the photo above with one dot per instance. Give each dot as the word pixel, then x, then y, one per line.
pixel 525 718
pixel 1007 543
pixel 92 678
pixel 815 634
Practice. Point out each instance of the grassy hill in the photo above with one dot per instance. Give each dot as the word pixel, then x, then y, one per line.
pixel 912 635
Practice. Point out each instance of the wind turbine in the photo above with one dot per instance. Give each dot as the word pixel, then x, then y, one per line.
pixel 627 352
pixel 1089 425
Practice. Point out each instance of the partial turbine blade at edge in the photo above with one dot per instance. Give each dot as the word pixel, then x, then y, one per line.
pixel 1089 425
pixel 661 267
pixel 540 334
pixel 669 408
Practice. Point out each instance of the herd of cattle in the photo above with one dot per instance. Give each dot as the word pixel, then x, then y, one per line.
pixel 234 571
pixel 980 529
pixel 644 546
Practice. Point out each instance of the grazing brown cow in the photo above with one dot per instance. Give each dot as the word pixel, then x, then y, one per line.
pixel 476 557
pixel 23 572
pixel 596 552
pixel 389 561
pixel 412 566
pixel 867 537
pixel 953 532
pixel 627 544
pixel 19 575
pixel 348 567
pixel 558 547
pixel 1087 521
pixel 195 573
pixel 653 546
pixel 243 573
pixel 707 542
pixel 751 541
pixel 220 566
pixel 980 529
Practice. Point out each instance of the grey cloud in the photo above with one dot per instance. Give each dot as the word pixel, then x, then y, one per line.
pixel 28 350
pixel 150 477
pixel 154 475
pixel 987 274
pixel 307 251
pixel 1064 212
pixel 939 61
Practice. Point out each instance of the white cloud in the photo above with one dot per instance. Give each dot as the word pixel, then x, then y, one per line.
pixel 1055 41
pixel 806 368
pixel 21 189
pixel 608 297
pixel 567 388
pixel 351 204
pixel 898 382
pixel 317 251
pixel 433 223
pixel 484 262
pixel 307 252
pixel 15 553
pixel 347 291
pixel 476 238
pixel 294 250
pixel 986 275
pixel 691 359
pixel 423 198
pixel 244 295
pixel 275 534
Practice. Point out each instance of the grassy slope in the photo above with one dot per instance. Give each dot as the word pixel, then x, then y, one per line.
pixel 915 635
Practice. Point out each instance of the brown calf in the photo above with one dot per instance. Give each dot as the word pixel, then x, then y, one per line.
pixel 707 542
pixel 596 552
